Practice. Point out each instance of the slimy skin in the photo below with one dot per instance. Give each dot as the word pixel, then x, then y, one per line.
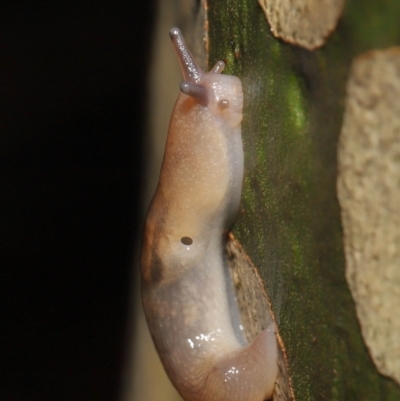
pixel 187 291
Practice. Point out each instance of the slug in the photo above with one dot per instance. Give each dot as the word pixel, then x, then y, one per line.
pixel 187 292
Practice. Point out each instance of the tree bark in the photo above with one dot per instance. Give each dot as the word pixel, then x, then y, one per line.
pixel 290 224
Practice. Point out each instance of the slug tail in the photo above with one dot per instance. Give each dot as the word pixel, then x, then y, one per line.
pixel 248 374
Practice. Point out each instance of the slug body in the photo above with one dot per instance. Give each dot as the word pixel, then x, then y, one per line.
pixel 187 292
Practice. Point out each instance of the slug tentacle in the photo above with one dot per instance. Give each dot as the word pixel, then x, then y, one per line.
pixel 196 91
pixel 218 67
pixel 187 292
pixel 190 70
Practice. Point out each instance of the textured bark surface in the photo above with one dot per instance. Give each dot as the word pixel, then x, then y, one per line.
pixel 290 223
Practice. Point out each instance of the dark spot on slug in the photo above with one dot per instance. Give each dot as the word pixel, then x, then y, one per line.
pixel 156 269
pixel 186 241
pixel 223 104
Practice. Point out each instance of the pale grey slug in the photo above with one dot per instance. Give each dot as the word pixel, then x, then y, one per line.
pixel 187 291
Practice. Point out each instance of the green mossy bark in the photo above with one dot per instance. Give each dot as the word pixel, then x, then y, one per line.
pixel 290 225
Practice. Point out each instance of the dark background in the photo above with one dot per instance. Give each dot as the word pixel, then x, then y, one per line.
pixel 72 79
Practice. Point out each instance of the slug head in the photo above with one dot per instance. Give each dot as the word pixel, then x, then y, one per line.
pixel 221 94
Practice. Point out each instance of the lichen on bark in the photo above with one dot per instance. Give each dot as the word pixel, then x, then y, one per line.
pixel 369 194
